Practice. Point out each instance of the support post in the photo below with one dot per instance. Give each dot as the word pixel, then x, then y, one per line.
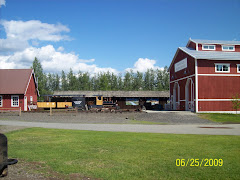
pixel 20 111
pixel 50 111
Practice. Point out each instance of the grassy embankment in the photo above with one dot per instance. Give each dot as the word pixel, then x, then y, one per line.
pixel 222 118
pixel 121 155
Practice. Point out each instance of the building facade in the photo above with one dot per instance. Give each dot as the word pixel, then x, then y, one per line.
pixel 124 99
pixel 205 75
pixel 18 88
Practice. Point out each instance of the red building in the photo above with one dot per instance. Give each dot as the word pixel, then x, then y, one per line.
pixel 205 75
pixel 18 88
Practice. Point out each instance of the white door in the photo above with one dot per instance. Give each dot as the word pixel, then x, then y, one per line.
pixel 25 103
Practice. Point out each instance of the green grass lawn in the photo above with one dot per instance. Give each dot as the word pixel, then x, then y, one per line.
pixel 121 155
pixel 223 118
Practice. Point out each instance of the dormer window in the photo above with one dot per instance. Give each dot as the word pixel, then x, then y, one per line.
pixel 238 68
pixel 222 68
pixel 228 48
pixel 208 47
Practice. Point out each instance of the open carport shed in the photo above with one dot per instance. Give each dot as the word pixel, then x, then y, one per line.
pixel 124 99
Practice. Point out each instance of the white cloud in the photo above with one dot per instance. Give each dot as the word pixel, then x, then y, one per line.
pixel 18 34
pixel 60 48
pixel 51 60
pixel 142 65
pixel 2 3
pixel 21 36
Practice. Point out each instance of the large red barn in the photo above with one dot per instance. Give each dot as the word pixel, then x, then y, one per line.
pixel 18 88
pixel 205 75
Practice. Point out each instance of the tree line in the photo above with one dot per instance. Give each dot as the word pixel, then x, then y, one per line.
pixel 151 80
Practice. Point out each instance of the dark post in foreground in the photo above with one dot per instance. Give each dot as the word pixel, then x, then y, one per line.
pixel 4 161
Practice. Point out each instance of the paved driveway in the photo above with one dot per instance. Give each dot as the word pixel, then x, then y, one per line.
pixel 228 129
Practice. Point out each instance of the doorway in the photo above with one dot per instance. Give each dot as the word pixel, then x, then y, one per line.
pixel 25 103
pixel 176 96
pixel 189 95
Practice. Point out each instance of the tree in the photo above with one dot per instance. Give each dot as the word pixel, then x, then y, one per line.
pixel 119 82
pixel 40 76
pixel 64 86
pixel 114 82
pixel 72 81
pixel 57 83
pixel 236 102
pixel 159 80
pixel 127 82
pixel 138 81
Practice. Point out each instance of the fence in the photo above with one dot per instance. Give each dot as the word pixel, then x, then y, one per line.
pixel 19 110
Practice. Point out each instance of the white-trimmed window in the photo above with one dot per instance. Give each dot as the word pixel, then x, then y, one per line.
pixel 208 47
pixel 15 101
pixel 1 101
pixel 238 68
pixel 222 68
pixel 228 48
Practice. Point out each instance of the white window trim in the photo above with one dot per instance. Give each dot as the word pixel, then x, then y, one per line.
pixel 238 65
pixel 208 45
pixel 222 71
pixel 1 100
pixel 12 101
pixel 228 49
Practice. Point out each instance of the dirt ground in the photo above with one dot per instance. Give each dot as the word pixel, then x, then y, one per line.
pixel 165 117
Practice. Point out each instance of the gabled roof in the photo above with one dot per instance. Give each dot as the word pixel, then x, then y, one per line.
pixel 113 93
pixel 211 55
pixel 15 81
pixel 200 41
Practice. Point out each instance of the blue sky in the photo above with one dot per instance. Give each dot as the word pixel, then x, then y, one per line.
pixel 109 35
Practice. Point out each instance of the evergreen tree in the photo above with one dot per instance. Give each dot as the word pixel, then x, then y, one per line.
pixel 64 86
pixel 138 81
pixel 127 82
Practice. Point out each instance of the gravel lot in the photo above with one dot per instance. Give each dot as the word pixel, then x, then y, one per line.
pixel 165 117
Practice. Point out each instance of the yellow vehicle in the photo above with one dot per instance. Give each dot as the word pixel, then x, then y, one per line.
pixel 46 104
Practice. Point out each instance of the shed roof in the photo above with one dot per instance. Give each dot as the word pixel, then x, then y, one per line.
pixel 113 93
pixel 211 55
pixel 201 41
pixel 14 81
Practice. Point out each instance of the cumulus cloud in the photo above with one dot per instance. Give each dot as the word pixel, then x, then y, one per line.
pixel 52 61
pixel 18 33
pixel 142 65
pixel 19 49
pixel 60 48
pixel 2 3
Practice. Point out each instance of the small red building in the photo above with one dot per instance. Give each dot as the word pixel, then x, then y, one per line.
pixel 18 88
pixel 205 75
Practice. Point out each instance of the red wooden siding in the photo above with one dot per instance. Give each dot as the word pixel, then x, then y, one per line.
pixel 208 66
pixel 7 102
pixel 218 87
pixel 190 66
pixel 175 76
pixel 192 45
pixel 31 91
pixel 215 106
pixel 219 48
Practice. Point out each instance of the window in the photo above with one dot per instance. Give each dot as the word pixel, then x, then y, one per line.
pixel 228 48
pixel 15 101
pixel 208 47
pixel 238 68
pixel 222 68
pixel 1 101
